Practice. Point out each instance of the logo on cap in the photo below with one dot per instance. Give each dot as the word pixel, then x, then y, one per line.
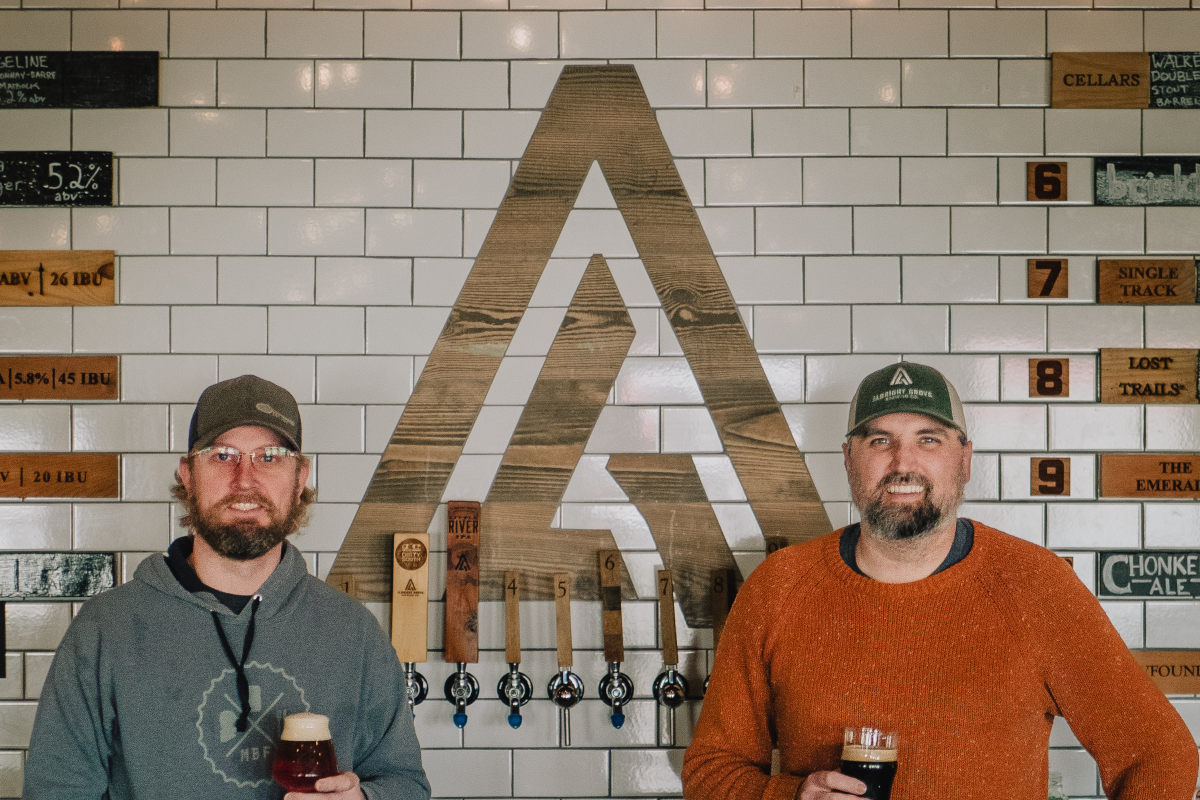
pixel 270 411
pixel 900 378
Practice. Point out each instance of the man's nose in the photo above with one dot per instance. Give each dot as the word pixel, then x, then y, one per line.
pixel 904 457
pixel 243 471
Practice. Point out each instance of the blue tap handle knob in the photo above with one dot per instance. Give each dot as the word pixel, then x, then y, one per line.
pixel 617 719
pixel 460 719
pixel 514 721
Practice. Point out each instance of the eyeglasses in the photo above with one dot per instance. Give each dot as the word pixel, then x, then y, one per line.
pixel 268 459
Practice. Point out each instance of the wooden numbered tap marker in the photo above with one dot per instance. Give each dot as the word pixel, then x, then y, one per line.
pixel 1046 181
pixel 1047 277
pixel 1050 477
pixel 1050 377
pixel 616 688
pixel 670 687
pixel 410 609
pixel 462 604
pixel 565 688
pixel 514 688
pixel 724 582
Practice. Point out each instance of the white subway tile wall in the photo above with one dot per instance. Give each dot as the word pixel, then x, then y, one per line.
pixel 307 200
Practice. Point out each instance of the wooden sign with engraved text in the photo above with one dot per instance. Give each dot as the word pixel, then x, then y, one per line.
pixel 1099 80
pixel 59 474
pixel 1173 671
pixel 410 596
pixel 462 582
pixel 1140 375
pixel 56 576
pixel 1150 281
pixel 58 378
pixel 57 278
pixel 1150 475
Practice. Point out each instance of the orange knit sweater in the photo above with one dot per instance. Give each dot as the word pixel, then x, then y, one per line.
pixel 970 666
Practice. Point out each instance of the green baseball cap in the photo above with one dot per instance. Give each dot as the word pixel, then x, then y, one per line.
pixel 906 387
pixel 245 400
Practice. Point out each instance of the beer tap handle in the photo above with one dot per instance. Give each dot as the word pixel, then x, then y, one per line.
pixel 462 604
pixel 721 598
pixel 416 685
pixel 514 688
pixel 565 688
pixel 670 687
pixel 615 688
pixel 410 610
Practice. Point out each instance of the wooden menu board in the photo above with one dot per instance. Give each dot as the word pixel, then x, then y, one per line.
pixel 1147 281
pixel 1143 375
pixel 57 277
pixel 59 474
pixel 58 378
pixel 1173 671
pixel 1125 80
pixel 1150 475
pixel 1099 80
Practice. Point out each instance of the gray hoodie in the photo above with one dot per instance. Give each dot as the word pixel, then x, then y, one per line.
pixel 142 700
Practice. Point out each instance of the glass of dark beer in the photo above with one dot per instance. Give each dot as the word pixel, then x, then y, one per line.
pixel 869 754
pixel 304 754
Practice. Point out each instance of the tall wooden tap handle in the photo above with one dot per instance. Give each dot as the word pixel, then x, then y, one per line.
pixel 512 617
pixel 562 618
pixel 722 599
pixel 462 582
pixel 610 604
pixel 410 596
pixel 666 617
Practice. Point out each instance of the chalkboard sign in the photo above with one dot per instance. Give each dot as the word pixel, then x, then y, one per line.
pixel 1172 181
pixel 56 178
pixel 1159 574
pixel 55 576
pixel 83 79
pixel 1175 80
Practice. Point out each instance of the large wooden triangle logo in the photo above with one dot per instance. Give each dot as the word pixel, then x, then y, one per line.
pixel 595 114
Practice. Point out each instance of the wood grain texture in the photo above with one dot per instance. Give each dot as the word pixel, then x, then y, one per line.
pixel 1138 375
pixel 667 491
pixel 1147 281
pixel 462 582
pixel 512 617
pixel 57 278
pixel 1099 80
pixel 562 619
pixel 666 618
pixel 1150 475
pixel 59 475
pixel 59 378
pixel 1173 671
pixel 410 596
pixel 610 605
pixel 596 113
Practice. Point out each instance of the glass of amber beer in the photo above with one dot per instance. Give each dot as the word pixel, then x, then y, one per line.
pixel 869 754
pixel 304 754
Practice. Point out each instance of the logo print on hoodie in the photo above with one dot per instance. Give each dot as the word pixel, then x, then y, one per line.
pixel 244 758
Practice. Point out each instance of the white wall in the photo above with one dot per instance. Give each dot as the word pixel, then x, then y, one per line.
pixel 308 199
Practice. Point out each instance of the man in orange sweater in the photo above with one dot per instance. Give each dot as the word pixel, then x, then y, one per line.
pixel 965 640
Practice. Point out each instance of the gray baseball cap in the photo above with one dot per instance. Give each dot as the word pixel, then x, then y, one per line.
pixel 906 387
pixel 245 400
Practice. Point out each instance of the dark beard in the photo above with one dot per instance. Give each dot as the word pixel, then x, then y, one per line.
pixel 901 524
pixel 246 540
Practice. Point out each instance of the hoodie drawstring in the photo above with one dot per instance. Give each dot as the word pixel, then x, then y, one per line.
pixel 243 685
